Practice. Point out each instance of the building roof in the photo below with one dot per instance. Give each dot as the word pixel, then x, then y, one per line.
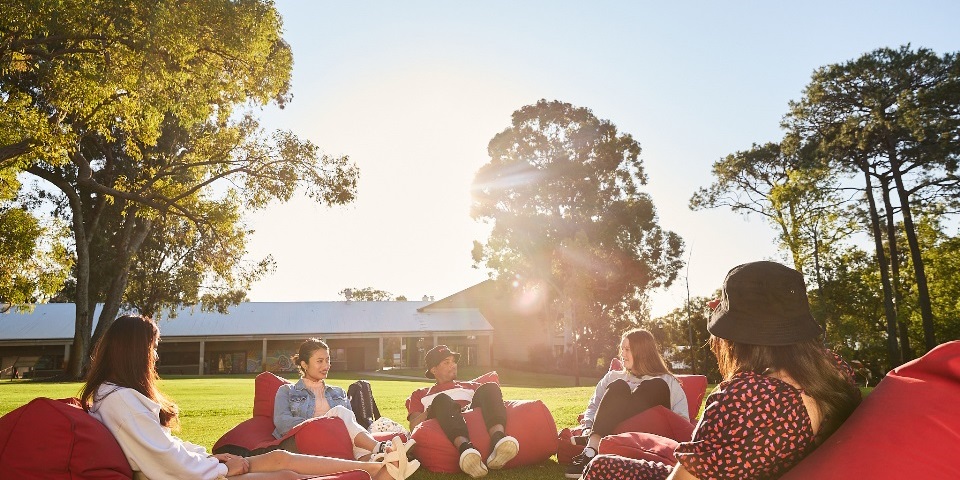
pixel 55 321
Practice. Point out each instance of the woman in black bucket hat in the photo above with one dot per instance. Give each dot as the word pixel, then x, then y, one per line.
pixel 782 392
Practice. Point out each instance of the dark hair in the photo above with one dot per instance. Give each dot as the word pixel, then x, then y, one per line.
pixel 124 356
pixel 307 348
pixel 646 357
pixel 813 367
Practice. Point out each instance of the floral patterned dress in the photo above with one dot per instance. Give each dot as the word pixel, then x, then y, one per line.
pixel 753 426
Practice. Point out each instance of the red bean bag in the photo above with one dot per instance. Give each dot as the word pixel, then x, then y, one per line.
pixel 57 439
pixel 317 436
pixel 641 446
pixel 529 421
pixel 908 427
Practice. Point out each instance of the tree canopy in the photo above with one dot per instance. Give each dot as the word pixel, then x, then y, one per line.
pixel 563 192
pixel 140 119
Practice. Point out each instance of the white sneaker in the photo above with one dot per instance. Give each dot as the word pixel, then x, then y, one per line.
pixel 472 463
pixel 504 451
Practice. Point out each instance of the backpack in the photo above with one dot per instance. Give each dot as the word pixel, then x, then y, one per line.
pixel 362 403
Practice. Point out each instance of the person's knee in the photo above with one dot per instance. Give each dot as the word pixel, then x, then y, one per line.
pixel 619 386
pixel 271 461
pixel 340 411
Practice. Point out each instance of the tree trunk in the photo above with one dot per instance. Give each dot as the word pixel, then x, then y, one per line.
pixel 80 351
pixel 893 352
pixel 135 232
pixel 906 353
pixel 923 292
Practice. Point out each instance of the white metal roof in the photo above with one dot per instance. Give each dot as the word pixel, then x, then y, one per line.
pixel 56 320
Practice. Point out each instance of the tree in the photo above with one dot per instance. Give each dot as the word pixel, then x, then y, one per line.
pixel 366 294
pixel 676 331
pixel 782 183
pixel 35 263
pixel 901 107
pixel 562 190
pixel 135 105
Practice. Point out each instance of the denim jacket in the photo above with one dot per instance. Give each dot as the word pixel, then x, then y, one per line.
pixel 295 403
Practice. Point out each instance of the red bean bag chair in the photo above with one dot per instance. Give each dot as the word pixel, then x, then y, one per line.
pixel 57 439
pixel 317 436
pixel 529 421
pixel 908 427
pixel 640 445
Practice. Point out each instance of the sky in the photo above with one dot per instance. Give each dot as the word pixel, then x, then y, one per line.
pixel 413 92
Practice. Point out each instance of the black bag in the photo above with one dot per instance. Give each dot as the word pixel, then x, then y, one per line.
pixel 362 402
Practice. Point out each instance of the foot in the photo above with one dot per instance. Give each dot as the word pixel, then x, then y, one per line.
pixel 471 463
pixel 575 469
pixel 395 460
pixel 503 451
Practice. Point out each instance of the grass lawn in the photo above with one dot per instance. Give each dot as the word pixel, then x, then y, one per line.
pixel 211 405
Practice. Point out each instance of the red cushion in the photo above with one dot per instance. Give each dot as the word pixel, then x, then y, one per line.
pixel 56 439
pixel 529 421
pixel 566 450
pixel 641 446
pixel 265 393
pixel 660 421
pixel 250 434
pixel 908 427
pixel 322 436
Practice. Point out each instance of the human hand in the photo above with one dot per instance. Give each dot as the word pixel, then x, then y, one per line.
pixel 236 465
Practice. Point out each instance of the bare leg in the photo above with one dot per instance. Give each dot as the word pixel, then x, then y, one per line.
pixel 281 460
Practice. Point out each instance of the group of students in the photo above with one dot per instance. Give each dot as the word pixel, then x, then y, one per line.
pixel 782 394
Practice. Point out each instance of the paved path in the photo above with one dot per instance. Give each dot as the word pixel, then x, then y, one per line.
pixel 399 377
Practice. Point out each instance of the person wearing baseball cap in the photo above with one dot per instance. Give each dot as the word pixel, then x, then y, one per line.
pixel 448 398
pixel 782 392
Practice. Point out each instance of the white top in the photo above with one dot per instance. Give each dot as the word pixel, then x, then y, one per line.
pixel 678 399
pixel 458 394
pixel 134 420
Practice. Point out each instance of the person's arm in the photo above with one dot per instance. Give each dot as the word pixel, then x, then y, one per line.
pixel 590 414
pixel 282 418
pixel 416 413
pixel 678 397
pixel 680 473
pixel 416 419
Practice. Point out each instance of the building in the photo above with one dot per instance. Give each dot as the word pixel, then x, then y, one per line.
pixel 486 324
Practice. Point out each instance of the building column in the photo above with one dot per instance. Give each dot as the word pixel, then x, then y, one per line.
pixel 200 368
pixel 435 339
pixel 66 352
pixel 263 357
pixel 382 361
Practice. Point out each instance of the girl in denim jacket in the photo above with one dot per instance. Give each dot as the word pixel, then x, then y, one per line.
pixel 311 397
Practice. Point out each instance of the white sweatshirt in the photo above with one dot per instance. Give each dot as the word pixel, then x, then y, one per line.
pixel 134 420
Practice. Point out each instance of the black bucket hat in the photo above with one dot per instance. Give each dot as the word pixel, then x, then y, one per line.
pixel 764 303
pixel 436 355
